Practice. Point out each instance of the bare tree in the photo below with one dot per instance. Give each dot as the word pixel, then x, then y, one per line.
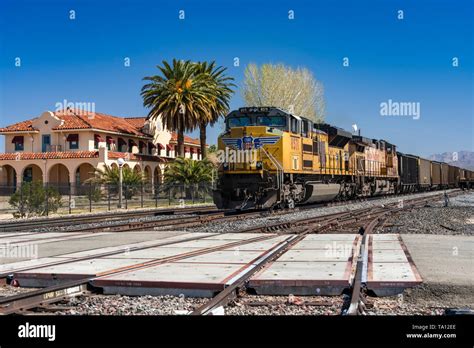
pixel 294 90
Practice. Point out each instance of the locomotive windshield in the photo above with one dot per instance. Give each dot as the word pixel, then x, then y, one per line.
pixel 242 121
pixel 259 116
pixel 271 121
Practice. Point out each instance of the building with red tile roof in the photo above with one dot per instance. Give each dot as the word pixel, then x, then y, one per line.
pixel 66 146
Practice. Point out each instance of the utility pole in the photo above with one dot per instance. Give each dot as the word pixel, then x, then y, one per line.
pixel 121 162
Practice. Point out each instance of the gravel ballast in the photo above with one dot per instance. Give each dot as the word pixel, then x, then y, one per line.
pixel 455 219
pixel 127 305
pixel 241 224
pixel 102 224
pixel 425 299
pixel 8 290
pixel 286 305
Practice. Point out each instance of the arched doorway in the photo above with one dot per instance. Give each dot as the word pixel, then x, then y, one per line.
pixel 147 174
pixel 137 168
pixel 8 179
pixel 84 172
pixel 157 177
pixel 32 173
pixel 58 177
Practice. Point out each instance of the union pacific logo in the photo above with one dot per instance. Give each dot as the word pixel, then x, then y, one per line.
pixel 248 142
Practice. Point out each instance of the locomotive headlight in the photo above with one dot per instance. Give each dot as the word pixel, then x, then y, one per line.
pixel 259 165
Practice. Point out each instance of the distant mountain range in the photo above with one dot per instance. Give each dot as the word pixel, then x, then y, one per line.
pixel 463 159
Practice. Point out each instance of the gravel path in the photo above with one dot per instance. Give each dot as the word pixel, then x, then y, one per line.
pixel 232 226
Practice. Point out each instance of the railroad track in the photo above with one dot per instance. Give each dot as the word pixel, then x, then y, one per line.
pixel 368 217
pixel 371 217
pixel 133 225
pixel 358 300
pixel 20 303
pixel 206 216
pixel 194 219
pixel 26 225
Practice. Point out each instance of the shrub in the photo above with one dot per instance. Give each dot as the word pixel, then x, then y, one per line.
pixel 33 199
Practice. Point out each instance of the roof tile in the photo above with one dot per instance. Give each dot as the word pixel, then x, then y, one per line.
pixel 47 155
pixel 187 140
pixel 76 119
pixel 134 157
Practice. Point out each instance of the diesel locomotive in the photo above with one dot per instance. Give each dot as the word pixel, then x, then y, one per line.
pixel 273 159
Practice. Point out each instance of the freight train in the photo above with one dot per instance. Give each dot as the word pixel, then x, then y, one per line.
pixel 273 159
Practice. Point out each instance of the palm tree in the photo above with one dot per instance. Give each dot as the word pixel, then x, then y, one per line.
pixel 188 172
pixel 179 97
pixel 131 179
pixel 221 93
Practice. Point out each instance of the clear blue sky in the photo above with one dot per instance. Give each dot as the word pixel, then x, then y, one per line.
pixel 403 60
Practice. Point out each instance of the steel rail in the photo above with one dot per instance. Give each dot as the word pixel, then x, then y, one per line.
pixel 356 294
pixel 16 303
pixel 17 226
pixel 20 302
pixel 229 293
pixel 226 295
pixel 357 303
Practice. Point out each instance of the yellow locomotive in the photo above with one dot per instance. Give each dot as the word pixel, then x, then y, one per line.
pixel 271 158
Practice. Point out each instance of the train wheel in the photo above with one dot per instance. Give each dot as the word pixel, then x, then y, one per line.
pixel 291 204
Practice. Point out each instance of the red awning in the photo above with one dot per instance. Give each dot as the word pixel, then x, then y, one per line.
pixel 121 142
pixel 19 139
pixel 169 147
pixel 160 146
pixel 110 140
pixel 191 149
pixel 98 138
pixel 72 137
pixel 152 146
pixel 132 142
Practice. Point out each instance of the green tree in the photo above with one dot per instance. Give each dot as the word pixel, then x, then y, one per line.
pixel 188 174
pixel 132 180
pixel 220 94
pixel 179 97
pixel 33 199
pixel 294 90
pixel 212 148
pixel 187 171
